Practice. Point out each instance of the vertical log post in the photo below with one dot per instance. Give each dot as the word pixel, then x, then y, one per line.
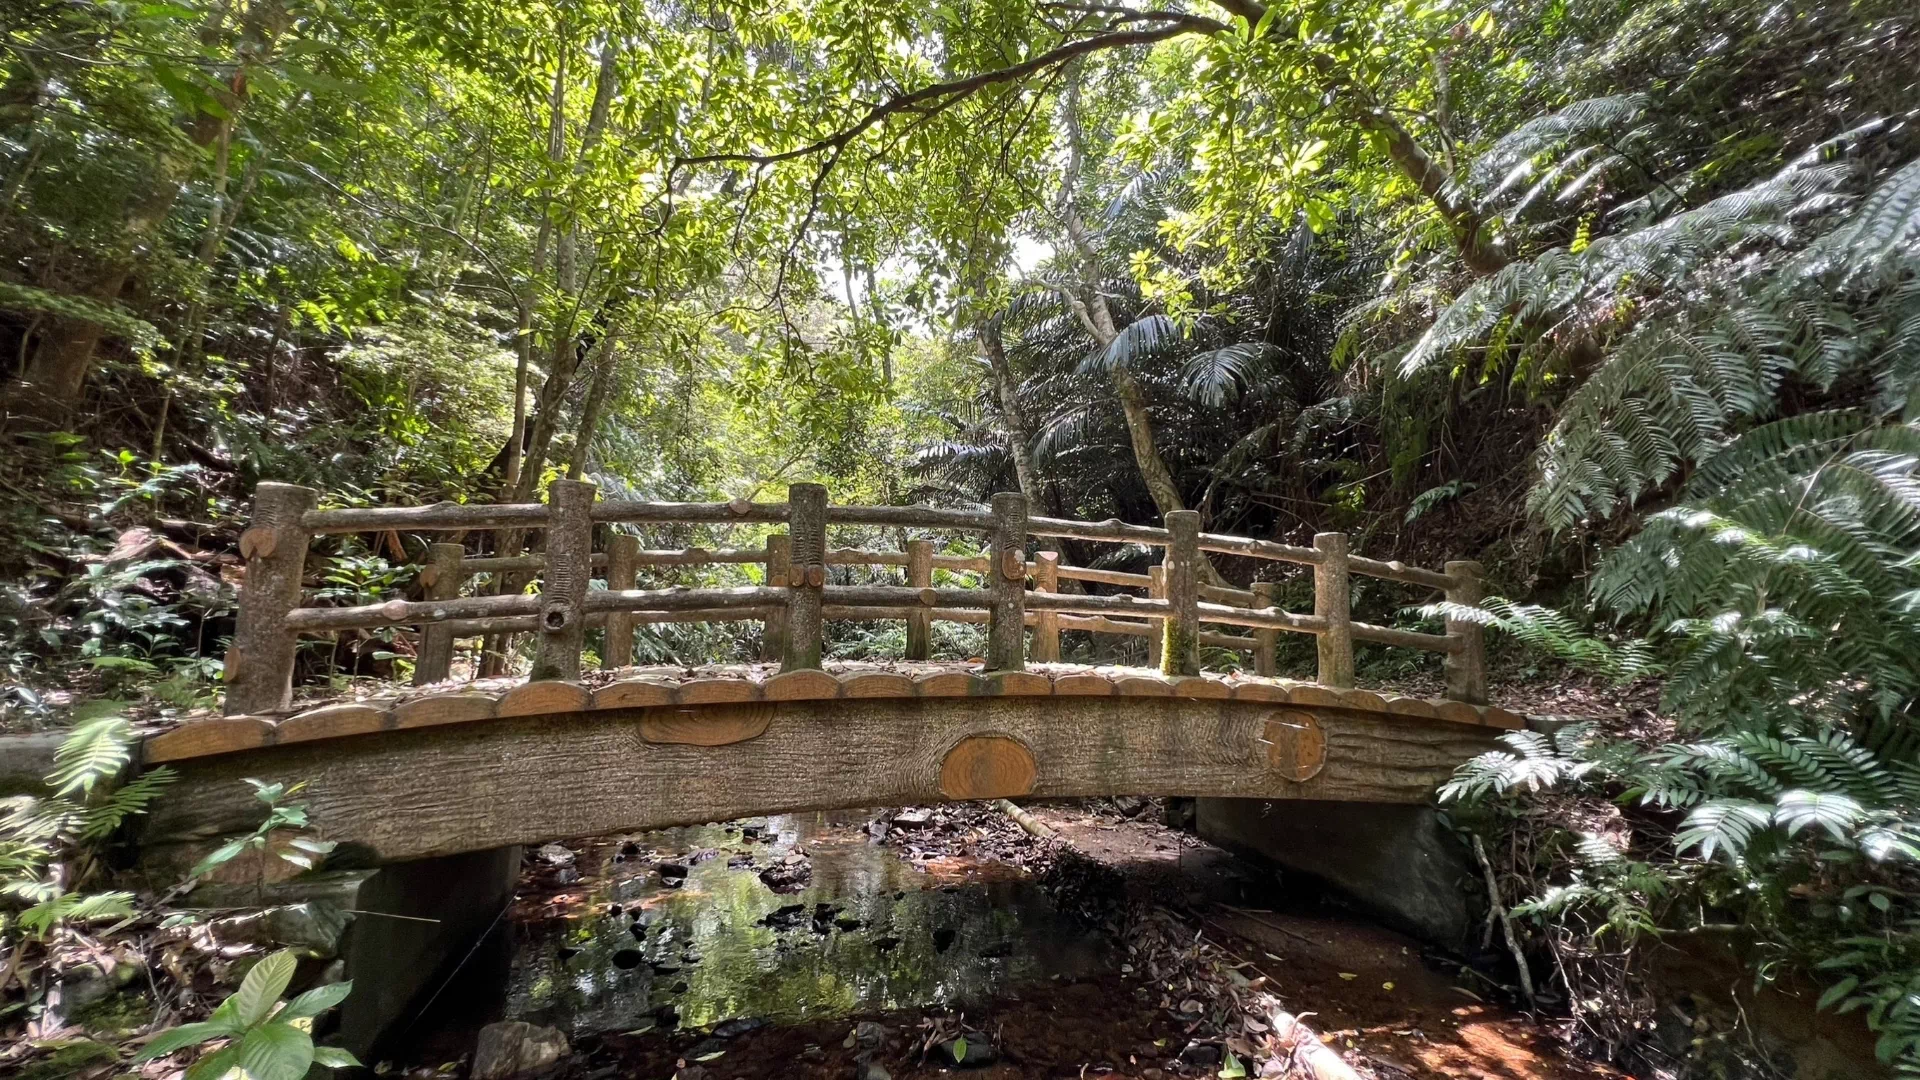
pixel 1266 594
pixel 779 563
pixel 1007 584
pixel 623 561
pixel 259 670
pixel 435 660
pixel 563 588
pixel 1332 602
pixel 1046 629
pixel 1156 590
pixel 806 575
pixel 1466 667
pixel 919 620
pixel 1180 638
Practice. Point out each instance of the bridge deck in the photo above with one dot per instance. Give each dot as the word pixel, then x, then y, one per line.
pixel 435 773
pixel 656 687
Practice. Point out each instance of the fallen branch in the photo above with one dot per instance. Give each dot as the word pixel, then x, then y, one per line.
pixel 1506 921
pixel 1027 821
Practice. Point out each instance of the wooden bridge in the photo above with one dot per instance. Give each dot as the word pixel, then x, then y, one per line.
pixel 435 771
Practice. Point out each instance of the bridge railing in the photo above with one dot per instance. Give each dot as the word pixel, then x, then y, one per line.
pixel 796 599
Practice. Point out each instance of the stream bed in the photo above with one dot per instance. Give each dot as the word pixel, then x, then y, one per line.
pixel 680 928
pixel 891 944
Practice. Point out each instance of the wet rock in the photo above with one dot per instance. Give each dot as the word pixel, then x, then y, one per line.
pixel 886 944
pixel 871 1070
pixel 667 1016
pixel 639 930
pixel 706 1049
pixel 516 1050
pixel 703 855
pixel 671 870
pixel 866 1035
pixel 312 927
pixel 738 1026
pixel 691 955
pixel 913 819
pixel 846 922
pixel 877 830
pixel 661 967
pixel 943 939
pixel 787 877
pixel 971 1050
pixel 629 849
pixel 1201 1054
pixel 739 862
pixel 556 854
pixel 680 988
pixel 627 959
pixel 997 949
pixel 785 917
pixel 1132 805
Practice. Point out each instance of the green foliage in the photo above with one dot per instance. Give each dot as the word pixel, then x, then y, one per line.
pixel 269 835
pixel 50 846
pixel 266 1038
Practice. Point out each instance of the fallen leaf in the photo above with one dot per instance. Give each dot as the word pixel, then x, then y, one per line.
pixel 1349 976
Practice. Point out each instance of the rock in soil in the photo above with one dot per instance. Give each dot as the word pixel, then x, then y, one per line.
pixel 968 1051
pixel 868 1070
pixel 516 1050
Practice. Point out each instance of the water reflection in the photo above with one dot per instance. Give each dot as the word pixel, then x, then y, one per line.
pixel 869 933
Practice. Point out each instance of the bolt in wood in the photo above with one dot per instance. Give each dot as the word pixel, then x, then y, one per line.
pixel 259 670
pixel 1046 629
pixel 1006 585
pixel 1180 645
pixel 1156 590
pixel 623 561
pixel 1266 594
pixel 1466 667
pixel 1332 601
pixel 807 527
pixel 919 576
pixel 444 577
pixel 563 588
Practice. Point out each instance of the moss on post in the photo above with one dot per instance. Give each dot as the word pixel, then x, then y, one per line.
pixel 806 576
pixel 563 588
pixel 1180 637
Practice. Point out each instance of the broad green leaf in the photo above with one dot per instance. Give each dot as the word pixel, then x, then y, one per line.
pixel 316 1001
pixel 334 1058
pixel 276 1051
pixel 1837 992
pixel 218 857
pixel 185 1035
pixel 216 1065
pixel 262 987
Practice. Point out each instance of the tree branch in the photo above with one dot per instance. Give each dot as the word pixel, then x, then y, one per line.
pixel 939 96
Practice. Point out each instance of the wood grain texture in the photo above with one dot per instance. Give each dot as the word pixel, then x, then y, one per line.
pixel 634 694
pixel 538 698
pixel 988 767
pixel 437 709
pixel 334 722
pixel 1087 684
pixel 206 738
pixel 706 727
pixel 714 691
pixel 1019 683
pixel 1296 744
pixel 434 791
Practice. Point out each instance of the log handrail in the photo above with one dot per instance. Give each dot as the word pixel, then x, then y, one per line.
pixel 1013 593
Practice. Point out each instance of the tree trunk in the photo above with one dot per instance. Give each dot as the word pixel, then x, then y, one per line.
pixel 597 394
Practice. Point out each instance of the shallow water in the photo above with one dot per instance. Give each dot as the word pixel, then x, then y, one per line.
pixel 870 932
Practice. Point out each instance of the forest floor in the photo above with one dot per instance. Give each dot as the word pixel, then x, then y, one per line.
pixel 1199 947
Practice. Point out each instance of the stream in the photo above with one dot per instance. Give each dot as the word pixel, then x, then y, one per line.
pixel 872 944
